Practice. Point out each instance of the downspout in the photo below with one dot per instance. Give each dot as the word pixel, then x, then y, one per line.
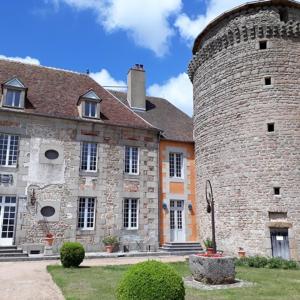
pixel 159 186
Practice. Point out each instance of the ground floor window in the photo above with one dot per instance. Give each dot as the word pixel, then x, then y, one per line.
pixel 86 213
pixel 130 216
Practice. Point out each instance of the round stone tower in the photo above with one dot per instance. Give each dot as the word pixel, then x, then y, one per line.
pixel 246 77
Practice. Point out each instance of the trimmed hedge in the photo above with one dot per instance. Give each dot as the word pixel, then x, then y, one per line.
pixel 71 254
pixel 151 280
pixel 264 262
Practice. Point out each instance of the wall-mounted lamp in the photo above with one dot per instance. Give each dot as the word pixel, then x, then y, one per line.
pixel 33 198
pixel 190 206
pixel 165 206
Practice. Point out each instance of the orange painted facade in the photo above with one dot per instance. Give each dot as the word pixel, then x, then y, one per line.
pixel 178 189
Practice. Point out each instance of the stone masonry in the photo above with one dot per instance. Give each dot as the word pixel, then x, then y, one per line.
pixel 233 106
pixel 60 184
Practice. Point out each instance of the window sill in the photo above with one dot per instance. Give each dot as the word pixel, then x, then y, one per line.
pixel 131 176
pixel 85 231
pixel 12 107
pixel 88 174
pixel 8 168
pixel 172 179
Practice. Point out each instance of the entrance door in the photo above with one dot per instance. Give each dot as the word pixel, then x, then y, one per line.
pixel 177 228
pixel 280 243
pixel 7 220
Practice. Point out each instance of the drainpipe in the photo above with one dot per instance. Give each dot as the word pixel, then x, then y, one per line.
pixel 158 185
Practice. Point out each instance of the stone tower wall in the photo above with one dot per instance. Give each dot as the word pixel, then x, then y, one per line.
pixel 232 107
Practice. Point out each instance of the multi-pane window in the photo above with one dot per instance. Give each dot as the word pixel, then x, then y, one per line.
pixel 7 215
pixel 9 147
pixel 131 160
pixel 13 98
pixel 86 213
pixel 130 217
pixel 90 109
pixel 175 165
pixel 89 157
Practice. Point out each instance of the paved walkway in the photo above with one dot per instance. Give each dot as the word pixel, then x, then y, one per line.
pixel 30 280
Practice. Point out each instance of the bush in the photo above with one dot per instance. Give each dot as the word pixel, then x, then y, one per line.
pixel 257 262
pixel 264 262
pixel 71 254
pixel 151 280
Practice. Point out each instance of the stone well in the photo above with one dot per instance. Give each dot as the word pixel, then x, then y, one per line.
pixel 212 270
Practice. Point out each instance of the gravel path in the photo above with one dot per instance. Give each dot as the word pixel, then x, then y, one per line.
pixel 30 280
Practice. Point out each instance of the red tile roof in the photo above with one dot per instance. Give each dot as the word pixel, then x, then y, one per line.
pixel 54 92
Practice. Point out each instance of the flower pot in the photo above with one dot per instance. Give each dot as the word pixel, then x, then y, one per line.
pixel 109 248
pixel 210 251
pixel 49 241
pixel 242 253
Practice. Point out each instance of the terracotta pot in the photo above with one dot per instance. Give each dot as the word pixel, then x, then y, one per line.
pixel 242 253
pixel 109 248
pixel 49 240
pixel 210 251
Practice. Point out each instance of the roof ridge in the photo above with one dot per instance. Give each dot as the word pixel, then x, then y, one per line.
pixel 42 66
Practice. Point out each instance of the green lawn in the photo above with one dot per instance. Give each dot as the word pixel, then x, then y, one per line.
pixel 100 283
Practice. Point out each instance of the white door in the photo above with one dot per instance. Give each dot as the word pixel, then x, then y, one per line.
pixel 177 227
pixel 7 220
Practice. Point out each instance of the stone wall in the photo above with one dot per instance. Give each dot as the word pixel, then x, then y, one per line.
pixel 61 184
pixel 232 107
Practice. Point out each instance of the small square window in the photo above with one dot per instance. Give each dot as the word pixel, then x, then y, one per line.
pixel 277 191
pixel 268 81
pixel 271 127
pixel 262 45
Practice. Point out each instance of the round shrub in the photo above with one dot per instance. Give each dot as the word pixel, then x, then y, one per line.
pixel 151 280
pixel 71 254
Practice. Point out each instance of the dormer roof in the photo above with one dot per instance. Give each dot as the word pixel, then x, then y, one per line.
pixel 14 82
pixel 89 95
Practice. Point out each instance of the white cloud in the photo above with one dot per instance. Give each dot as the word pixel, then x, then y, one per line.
pixel 178 90
pixel 145 21
pixel 189 28
pixel 27 59
pixel 105 79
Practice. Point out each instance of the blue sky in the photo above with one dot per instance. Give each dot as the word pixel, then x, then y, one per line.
pixel 109 36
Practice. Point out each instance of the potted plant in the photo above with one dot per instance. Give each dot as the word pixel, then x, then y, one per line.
pixel 209 246
pixel 49 239
pixel 110 242
pixel 241 252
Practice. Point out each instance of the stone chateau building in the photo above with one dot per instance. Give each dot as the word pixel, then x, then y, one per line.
pixel 82 162
pixel 246 77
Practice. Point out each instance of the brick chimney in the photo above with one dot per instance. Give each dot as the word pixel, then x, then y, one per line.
pixel 136 93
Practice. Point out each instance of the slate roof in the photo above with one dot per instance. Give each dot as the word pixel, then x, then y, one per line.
pixel 175 124
pixel 53 92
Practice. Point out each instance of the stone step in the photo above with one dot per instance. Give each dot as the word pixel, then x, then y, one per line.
pixel 13 254
pixel 183 247
pixel 15 250
pixel 8 247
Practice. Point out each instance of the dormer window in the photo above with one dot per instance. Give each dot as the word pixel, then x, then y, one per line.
pixel 90 109
pixel 13 94
pixel 89 105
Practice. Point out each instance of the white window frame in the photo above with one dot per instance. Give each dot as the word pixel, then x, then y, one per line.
pixel 88 163
pixel 8 150
pixel 85 227
pixel 131 160
pixel 175 165
pixel 14 91
pixel 129 226
pixel 89 113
